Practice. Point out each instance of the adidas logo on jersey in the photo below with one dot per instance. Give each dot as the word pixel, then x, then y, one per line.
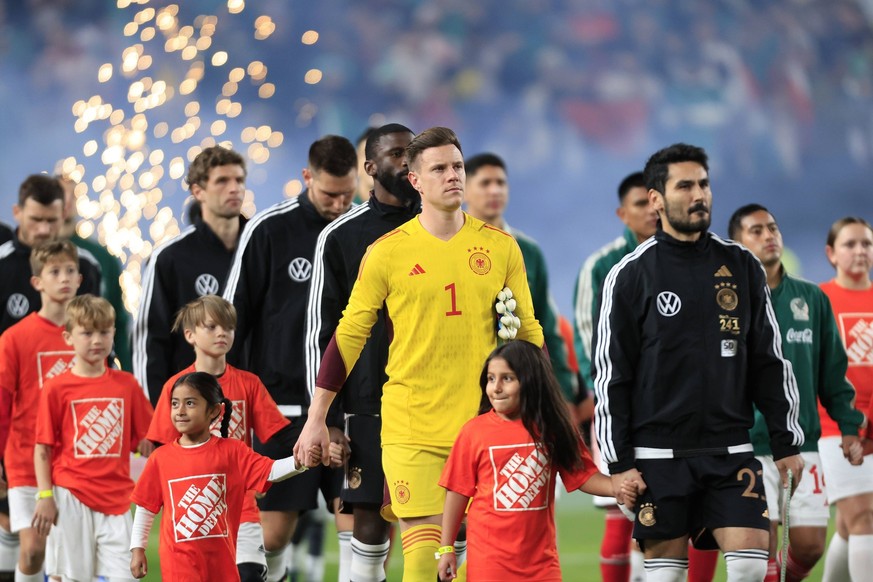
pixel 723 271
pixel 417 270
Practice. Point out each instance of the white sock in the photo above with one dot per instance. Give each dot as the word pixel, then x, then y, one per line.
pixel 314 568
pixel 860 552
pixel 277 567
pixel 345 555
pixel 460 552
pixel 637 566
pixel 368 561
pixel 666 569
pixel 22 577
pixel 8 551
pixel 836 561
pixel 746 565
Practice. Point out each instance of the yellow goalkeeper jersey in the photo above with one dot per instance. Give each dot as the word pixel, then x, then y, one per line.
pixel 439 296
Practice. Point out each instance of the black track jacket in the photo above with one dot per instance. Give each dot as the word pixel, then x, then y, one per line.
pixel 686 342
pixel 269 286
pixel 338 255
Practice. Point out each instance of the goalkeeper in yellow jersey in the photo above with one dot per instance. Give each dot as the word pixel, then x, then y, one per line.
pixel 437 276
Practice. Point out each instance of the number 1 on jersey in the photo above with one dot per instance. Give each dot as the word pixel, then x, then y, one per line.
pixel 455 311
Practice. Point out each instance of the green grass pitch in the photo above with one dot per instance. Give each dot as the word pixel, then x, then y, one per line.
pixel 580 527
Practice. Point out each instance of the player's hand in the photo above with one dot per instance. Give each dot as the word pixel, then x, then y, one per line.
pixel 630 490
pixel 632 476
pixel 339 445
pixel 314 434
pixel 852 449
pixel 795 463
pixel 447 567
pixel 45 516
pixel 145 447
pixel 139 566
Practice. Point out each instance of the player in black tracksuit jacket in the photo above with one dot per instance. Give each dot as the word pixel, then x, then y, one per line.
pixel 193 264
pixel 686 343
pixel 669 382
pixel 17 296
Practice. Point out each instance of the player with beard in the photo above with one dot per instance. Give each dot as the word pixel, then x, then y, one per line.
pixel 686 342
pixel 340 248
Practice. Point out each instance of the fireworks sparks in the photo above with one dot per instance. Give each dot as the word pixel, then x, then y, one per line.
pixel 136 153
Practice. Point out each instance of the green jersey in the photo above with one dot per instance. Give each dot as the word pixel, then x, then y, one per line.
pixel 589 284
pixel 812 344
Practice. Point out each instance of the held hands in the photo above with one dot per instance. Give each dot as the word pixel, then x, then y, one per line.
pixel 45 516
pixel 314 436
pixel 508 323
pixel 339 447
pixel 628 486
pixel 138 563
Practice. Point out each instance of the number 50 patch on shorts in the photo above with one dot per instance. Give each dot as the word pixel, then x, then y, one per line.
pixel 199 507
pixel 99 426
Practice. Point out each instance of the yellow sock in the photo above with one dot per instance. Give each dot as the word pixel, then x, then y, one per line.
pixel 420 543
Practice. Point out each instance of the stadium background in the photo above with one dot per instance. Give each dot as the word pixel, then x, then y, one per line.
pixel 574 94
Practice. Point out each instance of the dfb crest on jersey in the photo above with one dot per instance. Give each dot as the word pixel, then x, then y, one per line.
pixel 206 284
pixel 17 306
pixel 300 269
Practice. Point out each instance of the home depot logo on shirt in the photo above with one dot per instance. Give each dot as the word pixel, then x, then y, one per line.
pixel 521 476
pixel 237 428
pixel 99 424
pixel 50 364
pixel 857 331
pixel 199 507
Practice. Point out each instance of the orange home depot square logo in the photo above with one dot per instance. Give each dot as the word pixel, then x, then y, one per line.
pixel 857 332
pixel 50 364
pixel 521 477
pixel 99 426
pixel 199 507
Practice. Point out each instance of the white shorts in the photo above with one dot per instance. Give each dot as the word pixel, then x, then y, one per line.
pixel 809 504
pixel 250 544
pixel 604 468
pixel 86 543
pixel 22 504
pixel 843 479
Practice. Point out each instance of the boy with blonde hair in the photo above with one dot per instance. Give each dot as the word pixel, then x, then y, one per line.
pixel 31 352
pixel 208 324
pixel 89 421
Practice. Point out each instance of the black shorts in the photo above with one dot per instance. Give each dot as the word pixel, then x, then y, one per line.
pixel 695 495
pixel 299 493
pixel 364 478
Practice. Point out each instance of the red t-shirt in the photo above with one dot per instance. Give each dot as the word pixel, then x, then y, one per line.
pixel 92 425
pixel 511 520
pixel 253 410
pixel 31 352
pixel 854 313
pixel 201 490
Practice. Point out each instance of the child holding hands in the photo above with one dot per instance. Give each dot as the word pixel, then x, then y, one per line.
pixel 201 482
pixel 208 324
pixel 505 460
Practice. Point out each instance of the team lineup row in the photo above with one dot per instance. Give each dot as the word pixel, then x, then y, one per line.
pixel 681 311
